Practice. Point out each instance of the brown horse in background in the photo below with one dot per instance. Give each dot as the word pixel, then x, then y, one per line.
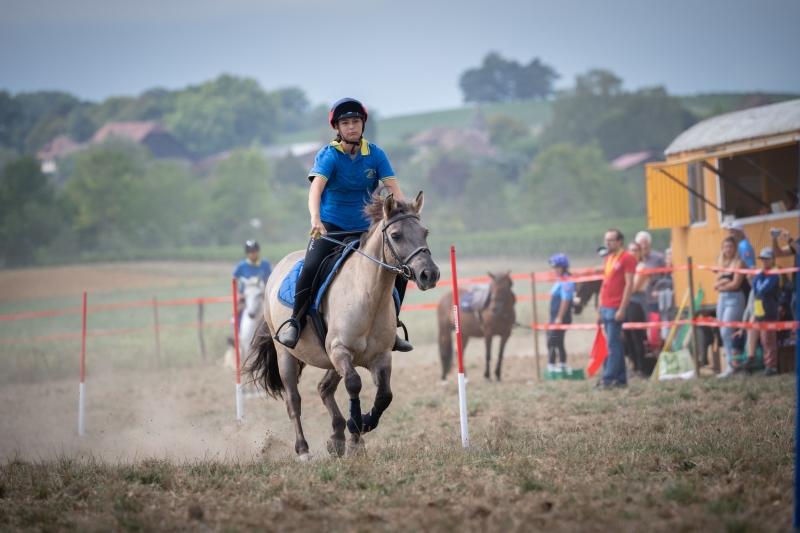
pixel 496 318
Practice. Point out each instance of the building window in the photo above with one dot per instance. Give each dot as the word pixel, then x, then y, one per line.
pixel 759 183
pixel 697 207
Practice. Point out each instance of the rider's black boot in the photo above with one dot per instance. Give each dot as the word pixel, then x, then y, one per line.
pixel 289 333
pixel 401 344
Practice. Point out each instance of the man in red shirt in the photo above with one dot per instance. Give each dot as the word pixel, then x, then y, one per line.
pixel 614 295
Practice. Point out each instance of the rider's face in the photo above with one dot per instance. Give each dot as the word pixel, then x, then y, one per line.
pixel 351 129
pixel 253 256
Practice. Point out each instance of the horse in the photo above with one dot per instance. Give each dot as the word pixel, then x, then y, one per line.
pixel 496 318
pixel 361 320
pixel 253 296
pixel 584 290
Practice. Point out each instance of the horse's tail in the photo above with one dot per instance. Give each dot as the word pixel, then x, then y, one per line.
pixel 262 361
pixel 445 340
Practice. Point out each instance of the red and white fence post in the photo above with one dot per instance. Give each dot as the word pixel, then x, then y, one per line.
pixel 81 398
pixel 462 388
pixel 235 294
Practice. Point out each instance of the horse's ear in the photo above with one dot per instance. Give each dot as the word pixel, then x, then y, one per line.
pixel 418 202
pixel 388 205
pixel 492 276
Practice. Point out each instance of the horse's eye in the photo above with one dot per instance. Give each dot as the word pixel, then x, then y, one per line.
pixel 396 236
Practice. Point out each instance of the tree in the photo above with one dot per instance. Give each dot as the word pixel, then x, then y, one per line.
pixel 600 111
pixel 29 214
pixel 501 80
pixel 239 189
pixel 222 114
pixel 568 181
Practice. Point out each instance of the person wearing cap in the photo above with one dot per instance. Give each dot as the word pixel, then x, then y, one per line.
pixel 345 174
pixel 746 251
pixel 766 296
pixel 251 266
pixel 561 295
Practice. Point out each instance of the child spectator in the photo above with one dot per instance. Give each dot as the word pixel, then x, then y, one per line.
pixel 561 296
pixel 766 293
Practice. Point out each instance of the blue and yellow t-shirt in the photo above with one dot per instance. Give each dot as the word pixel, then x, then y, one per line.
pixel 350 182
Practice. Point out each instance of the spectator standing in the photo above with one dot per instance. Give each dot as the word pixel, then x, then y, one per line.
pixel 791 248
pixel 766 293
pixel 731 301
pixel 635 312
pixel 561 296
pixel 614 296
pixel 650 259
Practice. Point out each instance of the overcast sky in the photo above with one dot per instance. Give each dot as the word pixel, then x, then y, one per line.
pixel 397 56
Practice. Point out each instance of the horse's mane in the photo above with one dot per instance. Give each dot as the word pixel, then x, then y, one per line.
pixel 374 211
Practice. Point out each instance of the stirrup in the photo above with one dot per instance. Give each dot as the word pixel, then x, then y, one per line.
pixel 288 333
pixel 400 344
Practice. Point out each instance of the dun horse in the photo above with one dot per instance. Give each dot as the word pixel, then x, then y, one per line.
pixel 360 313
pixel 495 317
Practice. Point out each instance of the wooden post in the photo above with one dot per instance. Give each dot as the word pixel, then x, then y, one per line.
pixel 156 329
pixel 200 316
pixel 535 323
pixel 692 314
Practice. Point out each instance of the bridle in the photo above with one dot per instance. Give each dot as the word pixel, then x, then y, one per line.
pixel 402 264
pixel 401 268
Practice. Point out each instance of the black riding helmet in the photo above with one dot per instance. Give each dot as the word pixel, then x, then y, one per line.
pixel 346 108
pixel 251 246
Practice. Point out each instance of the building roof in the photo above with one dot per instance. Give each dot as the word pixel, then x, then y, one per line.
pixel 632 159
pixel 135 131
pixel 58 147
pixel 743 125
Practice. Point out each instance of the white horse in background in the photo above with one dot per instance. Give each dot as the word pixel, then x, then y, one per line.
pixel 250 313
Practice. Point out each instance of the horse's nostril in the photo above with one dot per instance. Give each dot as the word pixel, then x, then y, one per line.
pixel 423 277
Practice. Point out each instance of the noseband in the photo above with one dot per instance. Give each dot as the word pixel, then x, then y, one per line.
pixel 402 264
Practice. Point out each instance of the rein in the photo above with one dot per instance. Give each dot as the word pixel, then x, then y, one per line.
pixel 402 268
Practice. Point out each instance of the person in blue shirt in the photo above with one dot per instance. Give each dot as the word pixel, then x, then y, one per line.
pixel 345 174
pixel 561 296
pixel 746 251
pixel 251 266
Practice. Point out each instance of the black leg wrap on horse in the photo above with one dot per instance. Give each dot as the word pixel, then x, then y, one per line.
pixel 356 421
pixel 370 421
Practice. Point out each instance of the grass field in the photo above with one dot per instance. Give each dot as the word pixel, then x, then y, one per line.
pixel 163 452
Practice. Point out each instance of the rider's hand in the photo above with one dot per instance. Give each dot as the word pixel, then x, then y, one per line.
pixel 317 229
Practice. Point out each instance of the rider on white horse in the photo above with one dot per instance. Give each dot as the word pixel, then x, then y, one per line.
pixel 251 266
pixel 345 174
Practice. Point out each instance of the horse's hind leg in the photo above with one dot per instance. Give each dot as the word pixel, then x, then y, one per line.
pixel 289 368
pixel 488 341
pixel 327 388
pixel 498 368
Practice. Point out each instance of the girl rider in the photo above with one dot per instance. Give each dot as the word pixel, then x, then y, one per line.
pixel 344 176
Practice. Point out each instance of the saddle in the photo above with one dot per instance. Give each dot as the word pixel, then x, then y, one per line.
pixel 323 278
pixel 475 300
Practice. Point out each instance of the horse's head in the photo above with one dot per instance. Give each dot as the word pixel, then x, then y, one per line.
pixel 405 239
pixel 500 294
pixel 253 296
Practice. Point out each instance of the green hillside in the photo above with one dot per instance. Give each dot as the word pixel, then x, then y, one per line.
pixel 533 112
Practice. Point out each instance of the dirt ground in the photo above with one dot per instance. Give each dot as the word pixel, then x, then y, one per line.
pixel 163 450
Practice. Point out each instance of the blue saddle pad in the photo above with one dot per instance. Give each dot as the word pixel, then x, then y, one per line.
pixel 475 299
pixel 287 289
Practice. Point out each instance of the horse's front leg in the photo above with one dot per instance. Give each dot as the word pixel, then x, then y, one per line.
pixel 327 388
pixel 487 339
pixel 289 369
pixel 381 370
pixel 343 363
pixel 498 368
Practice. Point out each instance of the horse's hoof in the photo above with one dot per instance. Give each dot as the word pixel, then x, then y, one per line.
pixel 304 457
pixel 336 447
pixel 356 448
